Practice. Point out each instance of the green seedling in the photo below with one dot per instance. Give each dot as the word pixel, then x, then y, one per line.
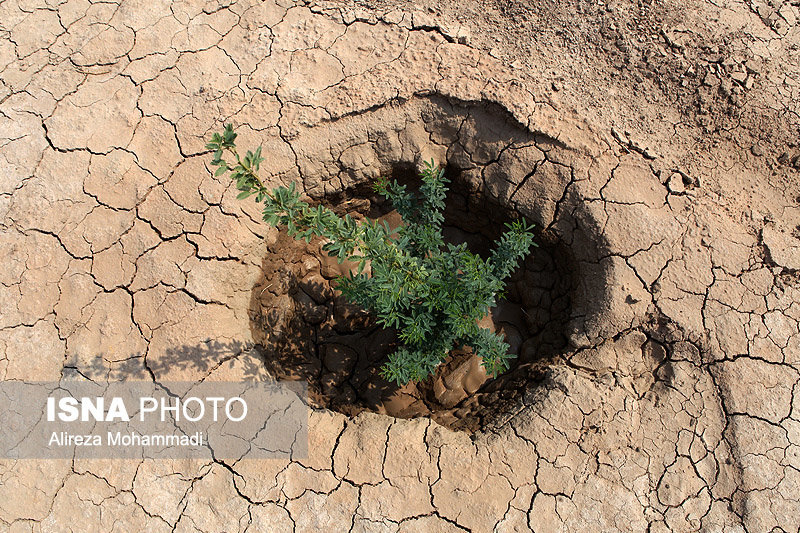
pixel 433 293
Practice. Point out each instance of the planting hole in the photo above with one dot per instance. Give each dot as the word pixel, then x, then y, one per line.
pixel 307 331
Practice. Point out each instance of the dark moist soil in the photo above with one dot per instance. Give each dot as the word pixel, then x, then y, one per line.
pixel 308 331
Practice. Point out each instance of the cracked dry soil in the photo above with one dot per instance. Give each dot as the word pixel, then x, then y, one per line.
pixel 653 144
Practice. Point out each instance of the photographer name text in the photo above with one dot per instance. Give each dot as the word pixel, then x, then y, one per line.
pixel 118 438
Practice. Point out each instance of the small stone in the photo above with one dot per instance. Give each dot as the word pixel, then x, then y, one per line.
pixel 675 184
pixel 756 150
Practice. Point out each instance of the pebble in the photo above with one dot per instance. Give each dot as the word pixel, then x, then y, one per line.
pixel 675 184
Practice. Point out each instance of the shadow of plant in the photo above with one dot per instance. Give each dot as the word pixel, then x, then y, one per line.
pixel 193 360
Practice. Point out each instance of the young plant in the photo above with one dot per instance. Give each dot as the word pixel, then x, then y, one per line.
pixel 433 293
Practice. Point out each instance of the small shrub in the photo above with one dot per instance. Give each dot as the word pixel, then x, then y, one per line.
pixel 432 292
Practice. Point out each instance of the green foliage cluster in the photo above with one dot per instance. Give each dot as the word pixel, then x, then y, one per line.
pixel 432 292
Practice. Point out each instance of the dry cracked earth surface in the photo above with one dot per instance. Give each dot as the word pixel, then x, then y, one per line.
pixel 654 144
